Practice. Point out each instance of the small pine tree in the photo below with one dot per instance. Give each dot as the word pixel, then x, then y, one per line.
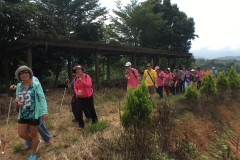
pixel 191 93
pixel 208 87
pixel 138 108
pixel 233 79
pixel 222 82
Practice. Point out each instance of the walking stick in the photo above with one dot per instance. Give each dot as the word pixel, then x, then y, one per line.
pixel 5 135
pixel 62 102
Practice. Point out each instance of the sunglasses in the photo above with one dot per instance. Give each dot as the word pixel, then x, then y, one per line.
pixel 148 66
pixel 23 72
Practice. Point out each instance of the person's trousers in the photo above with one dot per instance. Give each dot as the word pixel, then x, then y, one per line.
pixel 86 103
pixel 75 110
pixel 180 87
pixel 42 130
pixel 199 84
pixel 159 90
pixel 167 90
pixel 187 84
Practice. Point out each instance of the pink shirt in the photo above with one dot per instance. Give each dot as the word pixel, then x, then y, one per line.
pixel 133 78
pixel 200 75
pixel 160 76
pixel 84 86
pixel 168 78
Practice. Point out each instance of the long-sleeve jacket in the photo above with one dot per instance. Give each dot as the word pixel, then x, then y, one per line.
pixel 40 100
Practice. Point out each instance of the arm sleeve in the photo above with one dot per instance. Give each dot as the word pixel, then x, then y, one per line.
pixel 42 99
pixel 74 87
pixel 87 81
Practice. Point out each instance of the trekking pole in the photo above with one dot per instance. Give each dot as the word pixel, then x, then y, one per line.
pixel 5 135
pixel 62 101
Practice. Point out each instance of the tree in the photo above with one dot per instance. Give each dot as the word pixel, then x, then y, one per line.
pixel 154 25
pixel 208 87
pixel 222 82
pixel 233 79
pixel 136 120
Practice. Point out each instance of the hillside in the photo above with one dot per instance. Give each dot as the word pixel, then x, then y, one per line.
pixel 183 130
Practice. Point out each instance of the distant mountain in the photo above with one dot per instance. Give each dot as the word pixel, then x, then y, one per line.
pixel 229 57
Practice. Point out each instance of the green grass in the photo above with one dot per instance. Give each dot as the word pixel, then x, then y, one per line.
pixel 49 122
pixel 17 148
pixel 70 138
pixel 97 127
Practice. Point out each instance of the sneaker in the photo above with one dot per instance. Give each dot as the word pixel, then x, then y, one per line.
pixel 32 157
pixel 26 147
pixel 48 143
pixel 39 143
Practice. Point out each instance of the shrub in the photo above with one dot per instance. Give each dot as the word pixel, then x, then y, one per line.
pixel 137 122
pixel 233 79
pixel 138 108
pixel 222 82
pixel 97 127
pixel 191 93
pixel 208 87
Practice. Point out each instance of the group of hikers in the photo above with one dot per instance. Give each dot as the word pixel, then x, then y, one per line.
pixel 32 107
pixel 33 110
pixel 173 81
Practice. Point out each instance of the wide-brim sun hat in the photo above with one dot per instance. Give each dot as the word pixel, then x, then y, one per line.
pixel 193 70
pixel 23 68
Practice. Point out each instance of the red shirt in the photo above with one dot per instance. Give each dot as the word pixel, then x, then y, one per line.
pixel 81 89
pixel 160 76
pixel 133 78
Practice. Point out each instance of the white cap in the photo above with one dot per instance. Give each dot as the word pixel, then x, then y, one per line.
pixel 128 64
pixel 213 67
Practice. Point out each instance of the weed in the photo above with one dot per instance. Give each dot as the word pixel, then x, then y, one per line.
pixel 49 122
pixel 97 127
pixel 17 148
pixel 70 138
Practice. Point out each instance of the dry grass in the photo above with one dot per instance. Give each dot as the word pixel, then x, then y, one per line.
pixel 68 142
pixel 176 125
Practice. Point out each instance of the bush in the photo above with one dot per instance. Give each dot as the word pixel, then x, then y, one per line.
pixel 233 79
pixel 191 93
pixel 136 140
pixel 222 82
pixel 208 87
pixel 138 108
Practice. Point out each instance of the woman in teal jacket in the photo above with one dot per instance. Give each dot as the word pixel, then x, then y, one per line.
pixel 32 106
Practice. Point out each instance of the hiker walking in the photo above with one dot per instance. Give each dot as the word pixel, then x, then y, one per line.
pixel 150 78
pixel 42 130
pixel 74 100
pixel 84 94
pixel 200 77
pixel 184 69
pixel 167 81
pixel 32 106
pixel 160 79
pixel 131 75
pixel 180 80
pixel 188 79
pixel 214 73
pixel 175 83
pixel 195 78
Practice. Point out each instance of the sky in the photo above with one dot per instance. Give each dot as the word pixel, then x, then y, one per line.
pixel 217 23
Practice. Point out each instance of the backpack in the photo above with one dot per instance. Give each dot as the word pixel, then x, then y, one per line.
pixel 132 71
